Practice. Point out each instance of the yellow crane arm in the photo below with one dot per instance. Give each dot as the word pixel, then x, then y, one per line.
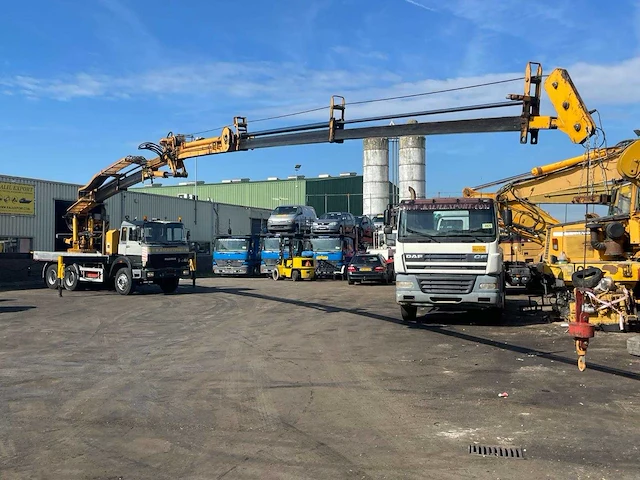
pixel 572 118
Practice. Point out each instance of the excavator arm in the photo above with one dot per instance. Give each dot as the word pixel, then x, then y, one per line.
pixel 572 118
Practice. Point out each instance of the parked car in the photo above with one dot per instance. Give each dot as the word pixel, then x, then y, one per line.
pixel 366 267
pixel 365 228
pixel 334 222
pixel 291 218
pixel 378 221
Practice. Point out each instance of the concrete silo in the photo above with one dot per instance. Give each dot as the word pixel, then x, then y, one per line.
pixel 375 175
pixel 412 165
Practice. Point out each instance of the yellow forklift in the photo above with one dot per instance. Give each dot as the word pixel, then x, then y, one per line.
pixel 295 260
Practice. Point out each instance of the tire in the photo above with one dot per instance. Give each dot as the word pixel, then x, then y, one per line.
pixel 295 275
pixel 275 274
pixel 587 278
pixel 408 312
pixel 124 281
pixel 70 281
pixel 169 285
pixel 51 276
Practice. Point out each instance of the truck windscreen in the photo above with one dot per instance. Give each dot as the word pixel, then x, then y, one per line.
pixel 448 223
pixel 326 244
pixel 163 232
pixel 231 245
pixel 271 245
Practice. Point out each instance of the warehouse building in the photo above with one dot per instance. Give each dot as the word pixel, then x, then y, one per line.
pixel 32 218
pixel 325 193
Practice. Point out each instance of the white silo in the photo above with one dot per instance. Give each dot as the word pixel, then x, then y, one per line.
pixel 412 165
pixel 375 175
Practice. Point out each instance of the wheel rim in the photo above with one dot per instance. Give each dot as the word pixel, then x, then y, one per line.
pixel 70 279
pixel 52 277
pixel 122 281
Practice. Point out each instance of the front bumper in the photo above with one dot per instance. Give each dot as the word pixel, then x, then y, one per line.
pixel 151 275
pixel 282 227
pixel 366 276
pixel 242 270
pixel 409 292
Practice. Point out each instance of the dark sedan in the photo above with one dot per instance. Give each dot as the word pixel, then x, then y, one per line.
pixel 369 268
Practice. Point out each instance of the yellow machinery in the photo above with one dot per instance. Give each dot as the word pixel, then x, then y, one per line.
pixel 87 217
pixel 298 264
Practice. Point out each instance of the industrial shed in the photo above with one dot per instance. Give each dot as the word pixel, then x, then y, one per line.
pixel 325 193
pixel 32 215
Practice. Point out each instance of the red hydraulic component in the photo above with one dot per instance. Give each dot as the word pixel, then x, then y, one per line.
pixel 581 330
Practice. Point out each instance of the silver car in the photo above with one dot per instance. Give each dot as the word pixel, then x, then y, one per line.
pixel 334 222
pixel 291 218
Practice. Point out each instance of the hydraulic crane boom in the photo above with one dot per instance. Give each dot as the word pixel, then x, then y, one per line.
pixel 572 118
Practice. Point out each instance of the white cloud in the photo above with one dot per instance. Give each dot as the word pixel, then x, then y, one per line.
pixel 417 4
pixel 263 88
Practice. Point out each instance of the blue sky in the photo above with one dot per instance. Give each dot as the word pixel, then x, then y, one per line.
pixel 83 83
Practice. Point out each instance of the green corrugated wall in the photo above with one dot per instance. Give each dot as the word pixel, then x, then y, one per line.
pixel 264 194
pixel 337 194
pixel 324 194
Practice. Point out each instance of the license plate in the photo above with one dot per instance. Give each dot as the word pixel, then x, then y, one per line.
pixel 365 269
pixel 322 257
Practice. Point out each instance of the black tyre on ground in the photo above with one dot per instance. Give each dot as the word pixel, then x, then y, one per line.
pixel 408 312
pixel 169 285
pixel 295 275
pixel 51 276
pixel 124 281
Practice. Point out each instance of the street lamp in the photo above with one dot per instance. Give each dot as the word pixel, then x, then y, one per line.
pixel 297 167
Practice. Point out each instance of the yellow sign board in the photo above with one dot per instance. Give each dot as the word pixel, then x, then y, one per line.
pixel 17 199
pixel 478 249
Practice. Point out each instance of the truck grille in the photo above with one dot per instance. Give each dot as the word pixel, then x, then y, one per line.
pixel 445 257
pixel 164 260
pixel 447 283
pixel 229 263
pixel 270 261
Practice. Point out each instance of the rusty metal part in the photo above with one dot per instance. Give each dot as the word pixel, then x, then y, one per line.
pixel 581 330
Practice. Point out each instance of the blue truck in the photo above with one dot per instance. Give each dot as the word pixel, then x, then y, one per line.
pixel 269 253
pixel 236 255
pixel 332 254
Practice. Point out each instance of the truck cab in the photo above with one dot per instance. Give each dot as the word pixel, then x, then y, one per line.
pixel 236 255
pixel 448 255
pixel 332 253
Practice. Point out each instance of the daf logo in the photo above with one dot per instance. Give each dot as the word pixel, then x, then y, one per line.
pixel 414 255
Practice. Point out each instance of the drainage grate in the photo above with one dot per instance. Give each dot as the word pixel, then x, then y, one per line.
pixel 506 452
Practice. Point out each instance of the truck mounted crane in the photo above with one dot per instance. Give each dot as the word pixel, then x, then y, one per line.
pixel 123 256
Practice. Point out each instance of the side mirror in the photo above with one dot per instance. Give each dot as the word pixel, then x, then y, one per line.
pixel 387 220
pixel 188 235
pixel 508 217
pixel 388 230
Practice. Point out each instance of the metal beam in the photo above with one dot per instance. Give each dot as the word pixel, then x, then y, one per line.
pixel 480 125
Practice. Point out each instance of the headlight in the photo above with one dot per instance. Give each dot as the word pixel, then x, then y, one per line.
pixel 488 286
pixel 404 285
pixel 185 272
pixel 333 224
pixel 149 274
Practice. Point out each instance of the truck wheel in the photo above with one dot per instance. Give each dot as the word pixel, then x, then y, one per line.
pixel 169 285
pixel 408 312
pixel 124 281
pixel 295 275
pixel 70 280
pixel 51 276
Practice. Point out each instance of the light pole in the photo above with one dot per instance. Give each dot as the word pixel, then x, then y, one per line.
pixel 297 168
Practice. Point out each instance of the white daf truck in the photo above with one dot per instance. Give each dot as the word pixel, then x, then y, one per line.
pixel 448 255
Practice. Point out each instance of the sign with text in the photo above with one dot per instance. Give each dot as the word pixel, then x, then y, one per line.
pixel 17 199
